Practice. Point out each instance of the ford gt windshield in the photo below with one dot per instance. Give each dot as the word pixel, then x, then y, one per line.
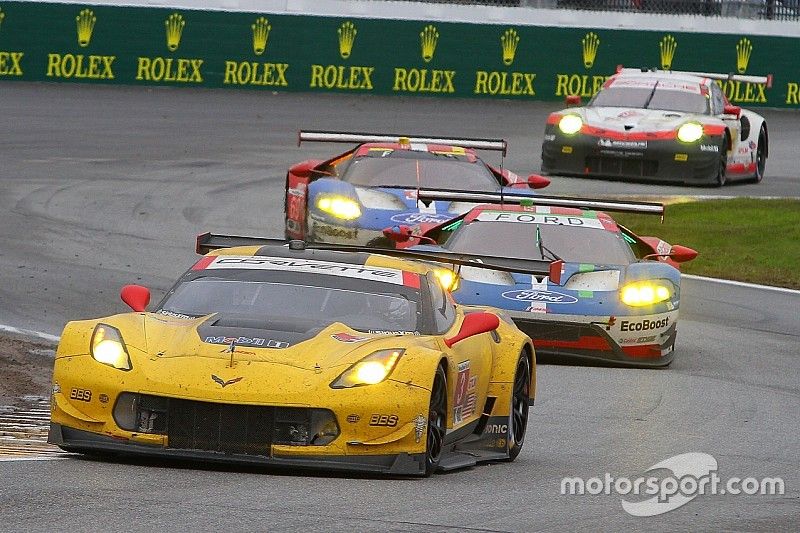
pixel 646 98
pixel 411 169
pixel 307 305
pixel 519 241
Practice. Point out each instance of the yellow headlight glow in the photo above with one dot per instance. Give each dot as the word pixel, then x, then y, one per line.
pixel 340 207
pixel 690 132
pixel 108 347
pixel 447 278
pixel 570 124
pixel 372 369
pixel 642 293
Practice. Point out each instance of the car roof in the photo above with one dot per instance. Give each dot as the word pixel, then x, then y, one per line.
pixel 549 215
pixel 440 149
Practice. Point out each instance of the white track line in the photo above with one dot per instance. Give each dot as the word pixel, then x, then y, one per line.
pixel 34 458
pixel 742 284
pixel 29 333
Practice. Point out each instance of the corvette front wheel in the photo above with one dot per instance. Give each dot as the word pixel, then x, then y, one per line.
pixel 518 414
pixel 437 420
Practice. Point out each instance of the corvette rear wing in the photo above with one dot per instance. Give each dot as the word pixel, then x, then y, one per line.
pixel 651 208
pixel 499 145
pixel 758 80
pixel 207 242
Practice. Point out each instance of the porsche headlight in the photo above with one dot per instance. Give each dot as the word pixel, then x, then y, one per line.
pixel 339 206
pixel 690 132
pixel 641 293
pixel 447 278
pixel 107 347
pixel 373 369
pixel 570 124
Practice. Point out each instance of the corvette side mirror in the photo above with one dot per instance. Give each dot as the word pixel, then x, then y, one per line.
pixel 573 99
pixel 535 181
pixel 474 324
pixel 136 296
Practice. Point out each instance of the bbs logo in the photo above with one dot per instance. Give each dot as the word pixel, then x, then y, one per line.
pixel 383 420
pixel 83 395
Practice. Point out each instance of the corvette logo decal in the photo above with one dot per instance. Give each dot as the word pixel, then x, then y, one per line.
pixel 224 383
pixel 529 295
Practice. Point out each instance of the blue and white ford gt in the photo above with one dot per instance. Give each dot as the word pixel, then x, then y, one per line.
pixel 352 197
pixel 615 297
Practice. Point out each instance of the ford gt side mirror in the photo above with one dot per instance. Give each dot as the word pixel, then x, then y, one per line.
pixel 535 181
pixel 682 254
pixel 304 169
pixel 136 296
pixel 573 99
pixel 401 233
pixel 732 110
pixel 474 324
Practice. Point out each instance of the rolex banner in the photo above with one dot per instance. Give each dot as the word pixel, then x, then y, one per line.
pixel 279 52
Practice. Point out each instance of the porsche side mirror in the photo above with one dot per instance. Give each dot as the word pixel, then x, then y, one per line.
pixel 573 99
pixel 732 110
pixel 474 324
pixel 136 296
pixel 401 233
pixel 682 254
pixel 535 181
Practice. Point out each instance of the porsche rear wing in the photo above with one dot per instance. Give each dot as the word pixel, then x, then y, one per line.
pixel 499 145
pixel 620 206
pixel 758 80
pixel 207 242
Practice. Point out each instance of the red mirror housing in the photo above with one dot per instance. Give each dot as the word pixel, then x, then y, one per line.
pixel 474 324
pixel 556 267
pixel 573 99
pixel 732 110
pixel 401 233
pixel 535 181
pixel 682 254
pixel 136 296
pixel 304 169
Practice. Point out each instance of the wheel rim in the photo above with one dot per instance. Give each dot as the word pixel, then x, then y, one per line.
pixel 761 161
pixel 436 420
pixel 519 402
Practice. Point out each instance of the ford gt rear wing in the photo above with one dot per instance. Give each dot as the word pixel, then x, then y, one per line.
pixel 207 242
pixel 620 206
pixel 758 80
pixel 499 145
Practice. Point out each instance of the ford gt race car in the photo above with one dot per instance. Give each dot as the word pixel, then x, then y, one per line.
pixel 615 297
pixel 658 125
pixel 351 197
pixel 288 356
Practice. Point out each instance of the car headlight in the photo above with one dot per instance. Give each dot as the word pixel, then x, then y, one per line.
pixel 570 124
pixel 690 132
pixel 107 347
pixel 641 293
pixel 372 369
pixel 447 278
pixel 339 207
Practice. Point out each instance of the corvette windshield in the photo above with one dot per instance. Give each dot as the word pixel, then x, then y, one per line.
pixel 518 240
pixel 662 99
pixel 409 169
pixel 307 305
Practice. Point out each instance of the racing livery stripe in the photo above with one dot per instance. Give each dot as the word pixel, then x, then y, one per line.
pixel 643 351
pixel 312 266
pixel 583 343
pixel 203 263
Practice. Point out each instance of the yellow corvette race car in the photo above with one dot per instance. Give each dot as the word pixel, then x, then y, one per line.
pixel 288 355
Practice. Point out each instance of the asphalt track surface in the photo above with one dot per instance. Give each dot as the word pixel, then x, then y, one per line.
pixel 103 186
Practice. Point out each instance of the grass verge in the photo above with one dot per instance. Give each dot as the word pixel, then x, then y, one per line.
pixel 744 239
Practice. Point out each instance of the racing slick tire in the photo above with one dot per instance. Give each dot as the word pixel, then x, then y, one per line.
pixel 437 422
pixel 518 412
pixel 761 156
pixel 722 165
